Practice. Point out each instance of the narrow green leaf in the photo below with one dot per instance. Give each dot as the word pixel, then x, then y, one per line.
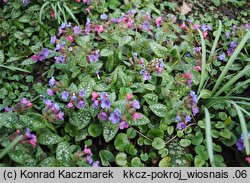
pixel 209 137
pixel 231 60
pixel 216 40
pixel 10 146
pixel 203 58
pixel 41 11
pixel 233 80
pixel 243 128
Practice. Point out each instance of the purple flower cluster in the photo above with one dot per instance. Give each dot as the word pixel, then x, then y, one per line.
pixel 31 137
pixel 75 100
pixel 115 117
pixel 155 65
pixel 41 56
pixel 23 105
pixel 94 57
pixel 193 102
pixel 101 99
pixel 182 121
pixel 231 48
pixel 87 154
pixel 52 111
pixel 240 143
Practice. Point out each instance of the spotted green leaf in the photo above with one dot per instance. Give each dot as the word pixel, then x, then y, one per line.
pixel 159 110
pixel 87 85
pixel 109 132
pixel 159 50
pixel 80 119
pixel 49 138
pixel 63 153
pixel 106 52
pixel 32 123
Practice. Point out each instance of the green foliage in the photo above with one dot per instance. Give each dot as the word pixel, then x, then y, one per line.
pixel 121 91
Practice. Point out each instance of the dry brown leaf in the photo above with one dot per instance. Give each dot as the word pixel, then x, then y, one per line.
pixel 185 9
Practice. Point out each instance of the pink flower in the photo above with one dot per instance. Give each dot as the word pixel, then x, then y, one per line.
pixel 196 26
pixel 183 25
pixel 197 68
pixel 70 105
pixel 33 140
pixel 70 38
pixel 52 14
pixel 60 115
pixel 248 159
pixel 99 28
pixel 94 96
pixel 136 116
pixel 123 125
pixel 188 75
pixel 204 34
pixel 87 150
pixel 34 58
pixel 50 92
pixel 129 96
pixel 88 10
pixel 158 21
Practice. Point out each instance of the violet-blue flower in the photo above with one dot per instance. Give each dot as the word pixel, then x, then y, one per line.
pixel 222 57
pixel 53 40
pixel 81 93
pixel 145 75
pixel 135 104
pixel 181 126
pixel 52 81
pixel 187 118
pixel 60 59
pixel 240 145
pixel 178 118
pixel 81 104
pixel 102 116
pixel 233 44
pixel 65 95
pixel 105 103
pixel 96 164
pixel 95 104
pixel 77 29
pixel 104 16
pixel 115 116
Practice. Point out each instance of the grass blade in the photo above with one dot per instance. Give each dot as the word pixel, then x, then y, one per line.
pixel 238 86
pixel 243 128
pixel 62 11
pixel 41 11
pixel 209 137
pixel 216 40
pixel 14 68
pixel 203 66
pixel 232 81
pixel 71 14
pixel 10 146
pixel 231 60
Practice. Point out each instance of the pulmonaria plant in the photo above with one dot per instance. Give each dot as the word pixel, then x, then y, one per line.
pixel 147 68
pixel 52 111
pixel 87 155
pixel 116 115
pixel 42 55
pixel 23 105
pixel 28 137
